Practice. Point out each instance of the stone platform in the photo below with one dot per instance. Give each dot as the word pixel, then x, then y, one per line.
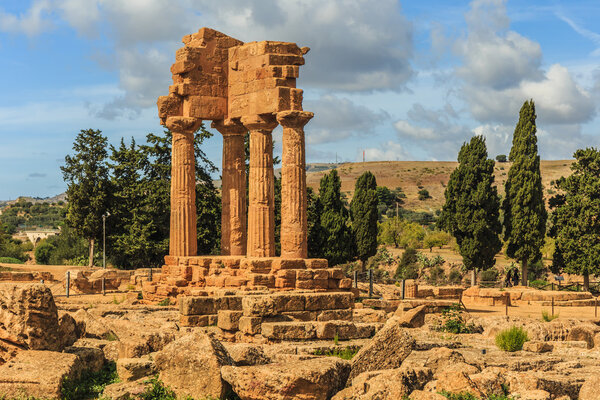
pixel 185 275
pixel 276 317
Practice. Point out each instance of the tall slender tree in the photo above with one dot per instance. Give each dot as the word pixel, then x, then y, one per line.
pixel 337 234
pixel 471 212
pixel 363 210
pixel 524 209
pixel 575 218
pixel 88 186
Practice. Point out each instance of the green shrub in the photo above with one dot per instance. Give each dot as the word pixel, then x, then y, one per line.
pixel 436 276
pixel 424 194
pixel 455 276
pixel 43 252
pixel 10 260
pixel 407 266
pixel 489 275
pixel 90 384
pixel 511 339
pixel 546 316
pixel 538 283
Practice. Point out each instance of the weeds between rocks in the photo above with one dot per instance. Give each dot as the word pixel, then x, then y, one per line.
pixel 469 396
pixel 158 391
pixel 454 322
pixel 344 354
pixel 546 316
pixel 90 384
pixel 164 303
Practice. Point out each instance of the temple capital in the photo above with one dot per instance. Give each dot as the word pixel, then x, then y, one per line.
pixel 264 122
pixel 294 119
pixel 183 124
pixel 229 127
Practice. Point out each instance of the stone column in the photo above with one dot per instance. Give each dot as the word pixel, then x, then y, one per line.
pixel 293 184
pixel 183 233
pixel 261 208
pixel 233 189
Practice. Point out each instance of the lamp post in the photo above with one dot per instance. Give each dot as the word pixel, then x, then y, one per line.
pixel 104 239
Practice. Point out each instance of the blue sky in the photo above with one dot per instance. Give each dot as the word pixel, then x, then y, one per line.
pixel 409 80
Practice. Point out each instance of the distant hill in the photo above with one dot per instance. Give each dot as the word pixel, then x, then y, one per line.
pixel 413 176
pixel 35 200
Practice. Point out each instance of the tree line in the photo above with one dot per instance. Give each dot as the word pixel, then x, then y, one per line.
pixel 124 191
pixel 481 223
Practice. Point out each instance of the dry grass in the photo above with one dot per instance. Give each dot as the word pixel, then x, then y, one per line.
pixel 411 176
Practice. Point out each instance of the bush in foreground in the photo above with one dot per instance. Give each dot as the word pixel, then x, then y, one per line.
pixel 511 339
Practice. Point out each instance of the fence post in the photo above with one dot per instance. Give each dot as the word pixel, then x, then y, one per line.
pixel 552 286
pixel 595 307
pixel 403 288
pixel 103 286
pixel 150 274
pixel 553 306
pixel 370 283
pixel 356 279
pixel 68 281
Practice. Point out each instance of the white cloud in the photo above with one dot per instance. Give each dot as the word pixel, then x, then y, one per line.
pixel 501 69
pixel 355 47
pixel 338 119
pixel 32 23
pixel 558 98
pixel 389 151
pixel 498 138
pixel 405 128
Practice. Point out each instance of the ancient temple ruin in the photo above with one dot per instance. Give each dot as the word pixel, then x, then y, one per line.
pixel 240 87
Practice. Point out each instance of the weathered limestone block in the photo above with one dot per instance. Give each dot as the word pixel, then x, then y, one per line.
pixel 388 349
pixel 313 379
pixel 132 369
pixel 92 358
pixel 198 320
pixel 29 375
pixel 191 365
pixel 29 317
pixel 328 301
pixel 289 330
pixel 386 384
pixel 343 330
pixel 244 354
pixel 250 325
pixel 259 305
pixel 229 320
pixel 335 315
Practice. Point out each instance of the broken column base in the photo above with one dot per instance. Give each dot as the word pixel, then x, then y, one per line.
pixel 188 275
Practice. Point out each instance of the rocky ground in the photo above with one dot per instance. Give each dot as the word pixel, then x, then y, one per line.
pixel 50 347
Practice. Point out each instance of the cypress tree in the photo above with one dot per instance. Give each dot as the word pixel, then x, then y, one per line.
pixel 88 186
pixel 337 235
pixel 363 210
pixel 524 210
pixel 471 212
pixel 575 218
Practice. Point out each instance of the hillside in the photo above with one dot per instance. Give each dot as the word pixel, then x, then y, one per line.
pixel 411 176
